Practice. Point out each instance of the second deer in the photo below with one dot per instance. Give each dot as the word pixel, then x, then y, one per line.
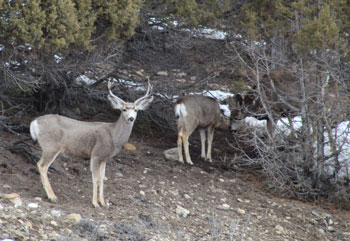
pixel 194 111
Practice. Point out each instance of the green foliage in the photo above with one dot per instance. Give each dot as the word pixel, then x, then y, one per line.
pixel 188 13
pixel 59 24
pixel 21 22
pixel 308 25
pixel 194 13
pixel 319 33
pixel 117 18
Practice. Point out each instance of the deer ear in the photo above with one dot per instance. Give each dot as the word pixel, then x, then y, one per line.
pixel 116 102
pixel 144 103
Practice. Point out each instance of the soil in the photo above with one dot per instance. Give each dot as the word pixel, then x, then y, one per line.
pixel 145 195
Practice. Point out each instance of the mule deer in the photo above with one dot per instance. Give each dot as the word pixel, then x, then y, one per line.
pixel 194 111
pixel 283 94
pixel 98 141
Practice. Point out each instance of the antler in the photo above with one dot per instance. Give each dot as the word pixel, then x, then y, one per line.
pixel 110 85
pixel 148 92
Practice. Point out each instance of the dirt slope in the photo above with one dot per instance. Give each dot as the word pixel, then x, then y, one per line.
pixel 145 194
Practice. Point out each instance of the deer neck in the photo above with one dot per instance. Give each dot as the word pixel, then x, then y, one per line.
pixel 121 132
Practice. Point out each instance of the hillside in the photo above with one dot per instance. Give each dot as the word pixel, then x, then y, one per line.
pixel 145 196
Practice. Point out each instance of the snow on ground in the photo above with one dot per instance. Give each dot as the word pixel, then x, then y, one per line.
pixel 341 134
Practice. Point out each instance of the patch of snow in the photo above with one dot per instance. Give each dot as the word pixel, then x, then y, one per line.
pixel 84 80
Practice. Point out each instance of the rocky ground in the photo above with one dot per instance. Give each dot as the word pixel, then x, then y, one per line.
pixel 150 198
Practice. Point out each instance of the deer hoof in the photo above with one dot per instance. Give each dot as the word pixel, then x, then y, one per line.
pixel 53 199
pixel 95 205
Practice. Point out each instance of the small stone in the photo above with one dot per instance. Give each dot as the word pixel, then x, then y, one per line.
pixel 187 196
pixel 140 72
pixel 321 231
pixel 9 195
pixel 181 80
pixel 224 206
pixel 54 223
pixel 279 228
pixel 142 193
pixel 240 211
pixel 162 73
pixel 182 211
pixel 7 186
pixel 174 192
pixel 130 147
pixel 56 213
pixel 330 229
pixel 33 205
pixel 119 174
pixel 17 202
pixel 74 216
pixel 181 75
pixel 29 224
pixel 39 199
pixel 221 180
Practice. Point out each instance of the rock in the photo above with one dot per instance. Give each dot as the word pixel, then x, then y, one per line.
pixel 279 228
pixel 171 154
pixel 130 147
pixel 187 196
pixel 33 205
pixel 17 202
pixel 174 192
pixel 183 212
pixel 181 80
pixel 330 229
pixel 7 186
pixel 9 195
pixel 321 231
pixel 54 223
pixel 224 206
pixel 56 213
pixel 142 193
pixel 74 217
pixel 181 75
pixel 240 211
pixel 162 73
pixel 119 174
pixel 140 72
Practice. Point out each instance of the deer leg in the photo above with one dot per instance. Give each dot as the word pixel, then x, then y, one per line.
pixel 102 177
pixel 179 145
pixel 186 148
pixel 202 133
pixel 210 142
pixel 43 165
pixel 95 170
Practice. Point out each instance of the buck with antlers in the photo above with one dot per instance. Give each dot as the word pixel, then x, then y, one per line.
pixel 98 141
pixel 194 111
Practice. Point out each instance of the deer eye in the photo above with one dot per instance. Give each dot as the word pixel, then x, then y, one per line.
pixel 124 110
